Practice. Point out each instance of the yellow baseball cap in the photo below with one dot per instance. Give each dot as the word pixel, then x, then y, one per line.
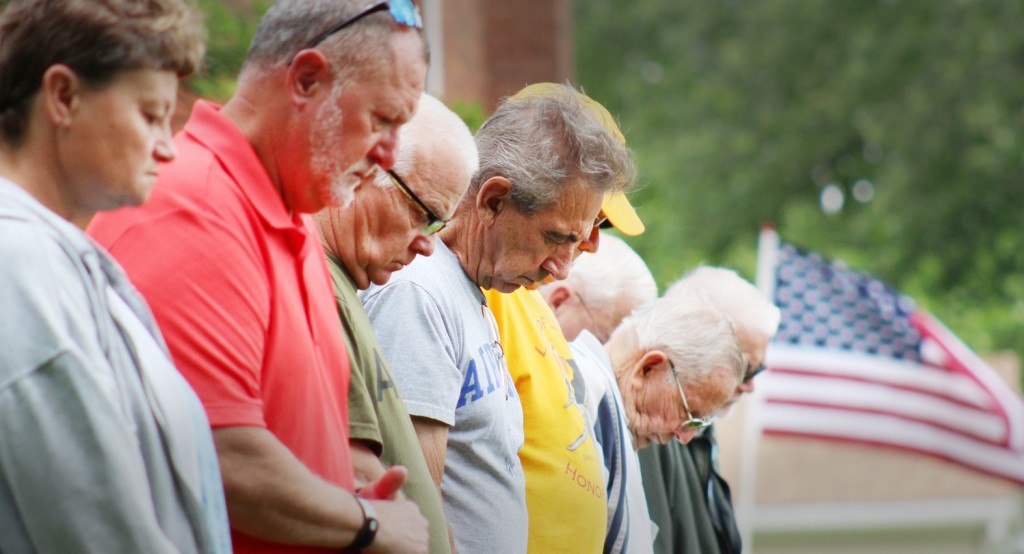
pixel 616 207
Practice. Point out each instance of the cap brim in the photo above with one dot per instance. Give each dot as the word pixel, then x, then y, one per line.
pixel 622 215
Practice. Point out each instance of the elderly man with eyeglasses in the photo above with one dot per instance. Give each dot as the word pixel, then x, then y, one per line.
pixel 661 375
pixel 228 258
pixel 687 498
pixel 545 166
pixel 392 220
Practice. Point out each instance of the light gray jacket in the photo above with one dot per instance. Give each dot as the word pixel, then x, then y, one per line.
pixel 93 456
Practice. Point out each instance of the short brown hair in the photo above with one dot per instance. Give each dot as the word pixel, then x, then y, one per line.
pixel 98 39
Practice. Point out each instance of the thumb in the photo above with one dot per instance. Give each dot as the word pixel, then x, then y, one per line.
pixel 386 486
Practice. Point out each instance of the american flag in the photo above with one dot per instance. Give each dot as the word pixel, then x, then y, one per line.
pixel 855 360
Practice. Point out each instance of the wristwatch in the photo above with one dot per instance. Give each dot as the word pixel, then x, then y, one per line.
pixel 368 532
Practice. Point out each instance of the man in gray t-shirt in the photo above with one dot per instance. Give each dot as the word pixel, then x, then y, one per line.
pixel 450 370
pixel 545 165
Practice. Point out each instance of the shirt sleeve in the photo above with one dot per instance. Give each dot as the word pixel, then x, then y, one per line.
pixel 363 422
pixel 419 347
pixel 210 296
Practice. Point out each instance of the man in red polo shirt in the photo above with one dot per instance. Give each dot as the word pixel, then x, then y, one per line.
pixel 228 259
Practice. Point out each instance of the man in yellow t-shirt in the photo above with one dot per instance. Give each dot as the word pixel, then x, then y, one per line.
pixel 565 489
pixel 565 481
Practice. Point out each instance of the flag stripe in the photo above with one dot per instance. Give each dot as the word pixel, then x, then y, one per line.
pixel 890 431
pixel 896 373
pixel 881 399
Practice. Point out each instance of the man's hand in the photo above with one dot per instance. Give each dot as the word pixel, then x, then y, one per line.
pixel 401 526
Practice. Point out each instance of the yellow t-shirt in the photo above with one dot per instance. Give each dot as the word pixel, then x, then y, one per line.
pixel 565 489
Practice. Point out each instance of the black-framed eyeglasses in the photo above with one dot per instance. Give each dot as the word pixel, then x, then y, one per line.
pixel 753 371
pixel 404 12
pixel 691 423
pixel 434 223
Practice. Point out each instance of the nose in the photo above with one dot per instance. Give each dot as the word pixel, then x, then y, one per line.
pixel 164 149
pixel 423 246
pixel 559 264
pixel 383 151
pixel 746 386
pixel 591 243
pixel 685 436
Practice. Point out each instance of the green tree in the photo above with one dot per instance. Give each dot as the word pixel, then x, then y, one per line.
pixel 230 27
pixel 743 112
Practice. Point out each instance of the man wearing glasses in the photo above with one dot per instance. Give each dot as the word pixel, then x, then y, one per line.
pixel 545 166
pixel 392 220
pixel 687 497
pixel 228 258
pixel 665 370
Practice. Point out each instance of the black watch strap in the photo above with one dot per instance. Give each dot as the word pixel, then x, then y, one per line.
pixel 368 532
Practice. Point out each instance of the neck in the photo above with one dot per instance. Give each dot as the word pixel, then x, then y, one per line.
pixel 463 236
pixel 34 166
pixel 257 114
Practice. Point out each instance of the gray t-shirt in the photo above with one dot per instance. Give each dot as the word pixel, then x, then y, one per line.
pixel 441 342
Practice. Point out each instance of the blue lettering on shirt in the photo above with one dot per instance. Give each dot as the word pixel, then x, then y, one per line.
pixel 471 390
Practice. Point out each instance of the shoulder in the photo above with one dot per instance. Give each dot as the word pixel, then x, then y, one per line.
pixel 44 293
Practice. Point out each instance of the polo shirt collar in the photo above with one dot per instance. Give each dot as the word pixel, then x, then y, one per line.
pixel 208 127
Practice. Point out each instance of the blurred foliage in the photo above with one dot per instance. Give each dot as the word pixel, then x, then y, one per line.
pixel 230 28
pixel 743 111
pixel 471 112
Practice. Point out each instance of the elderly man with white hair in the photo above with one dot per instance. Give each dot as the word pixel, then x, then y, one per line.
pixel 687 497
pixel 394 218
pixel 664 372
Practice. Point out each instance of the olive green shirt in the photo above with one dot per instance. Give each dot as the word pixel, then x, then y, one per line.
pixel 376 412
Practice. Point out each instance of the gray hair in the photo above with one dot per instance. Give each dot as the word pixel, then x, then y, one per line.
pixel 615 271
pixel 697 337
pixel 541 142
pixel 434 132
pixel 737 298
pixel 289 25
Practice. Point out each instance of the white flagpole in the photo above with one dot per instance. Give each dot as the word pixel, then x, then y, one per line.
pixel 767 250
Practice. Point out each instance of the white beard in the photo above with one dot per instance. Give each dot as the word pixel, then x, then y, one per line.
pixel 327 135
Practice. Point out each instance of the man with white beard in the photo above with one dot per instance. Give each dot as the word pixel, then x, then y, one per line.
pixel 228 258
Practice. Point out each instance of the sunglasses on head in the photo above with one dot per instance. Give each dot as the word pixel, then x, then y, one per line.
pixel 404 12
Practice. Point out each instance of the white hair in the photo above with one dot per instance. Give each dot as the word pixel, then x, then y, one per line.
pixel 614 271
pixel 435 130
pixel 737 298
pixel 697 337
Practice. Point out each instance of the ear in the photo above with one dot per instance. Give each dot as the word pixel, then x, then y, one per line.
pixel 653 362
pixel 557 294
pixel 308 75
pixel 61 94
pixel 493 197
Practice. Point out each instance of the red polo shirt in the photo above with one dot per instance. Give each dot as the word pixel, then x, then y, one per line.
pixel 241 292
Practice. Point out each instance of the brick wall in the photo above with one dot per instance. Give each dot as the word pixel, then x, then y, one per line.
pixel 493 48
